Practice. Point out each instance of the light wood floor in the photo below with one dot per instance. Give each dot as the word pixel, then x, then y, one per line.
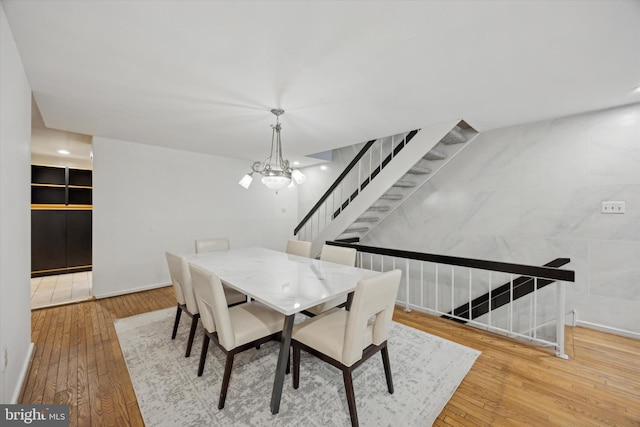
pixel 77 360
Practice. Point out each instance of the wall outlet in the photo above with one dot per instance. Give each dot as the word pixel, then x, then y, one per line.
pixel 613 208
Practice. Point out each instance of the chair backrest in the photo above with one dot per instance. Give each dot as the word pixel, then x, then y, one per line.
pixel 299 247
pixel 339 255
pixel 181 280
pixel 374 296
pixel 212 245
pixel 213 304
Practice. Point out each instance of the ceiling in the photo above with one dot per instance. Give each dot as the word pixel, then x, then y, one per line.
pixel 203 75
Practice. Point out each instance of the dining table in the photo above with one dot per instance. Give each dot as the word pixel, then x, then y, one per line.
pixel 286 283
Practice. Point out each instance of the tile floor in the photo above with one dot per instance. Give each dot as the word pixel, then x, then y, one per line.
pixel 61 289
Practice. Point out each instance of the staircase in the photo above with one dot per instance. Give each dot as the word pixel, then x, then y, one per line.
pixel 361 198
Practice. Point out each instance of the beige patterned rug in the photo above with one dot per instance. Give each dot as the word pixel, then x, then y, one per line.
pixel 426 371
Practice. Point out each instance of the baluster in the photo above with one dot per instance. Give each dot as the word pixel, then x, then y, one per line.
pixel 393 137
pixel 326 218
pixel 437 279
pixel 490 300
pixel 406 308
pixel 511 303
pixel 370 163
pixel 422 304
pixel 453 280
pixel 359 175
pixel 333 202
pixel 530 315
pixel 535 308
pixel 560 302
pixel 470 293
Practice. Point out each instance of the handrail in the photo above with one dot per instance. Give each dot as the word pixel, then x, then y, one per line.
pixel 335 184
pixel 503 267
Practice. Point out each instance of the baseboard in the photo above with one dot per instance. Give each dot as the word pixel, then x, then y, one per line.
pixel 23 375
pixel 132 291
pixel 608 329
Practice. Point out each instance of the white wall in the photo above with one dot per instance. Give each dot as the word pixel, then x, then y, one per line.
pixel 148 200
pixel 15 217
pixel 531 193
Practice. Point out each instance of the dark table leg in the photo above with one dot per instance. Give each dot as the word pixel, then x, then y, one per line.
pixel 283 357
pixel 349 301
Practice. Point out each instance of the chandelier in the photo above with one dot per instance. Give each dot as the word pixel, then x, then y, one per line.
pixel 276 172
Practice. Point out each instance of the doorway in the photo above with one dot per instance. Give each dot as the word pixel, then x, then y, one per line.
pixel 61 214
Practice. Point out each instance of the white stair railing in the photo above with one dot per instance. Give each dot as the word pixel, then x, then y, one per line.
pixel 511 299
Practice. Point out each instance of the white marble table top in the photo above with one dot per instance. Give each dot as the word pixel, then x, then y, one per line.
pixel 286 283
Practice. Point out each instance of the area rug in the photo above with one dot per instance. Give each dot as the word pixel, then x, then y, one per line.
pixel 426 371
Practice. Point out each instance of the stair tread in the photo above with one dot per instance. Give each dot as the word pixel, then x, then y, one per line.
pixel 404 184
pixel 435 155
pixel 419 170
pixel 378 208
pixel 355 230
pixel 368 219
pixel 391 196
pixel 453 137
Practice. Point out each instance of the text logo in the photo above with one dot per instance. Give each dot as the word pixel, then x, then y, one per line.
pixel 34 415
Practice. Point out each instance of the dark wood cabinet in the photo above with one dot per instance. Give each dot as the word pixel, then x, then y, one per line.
pixel 48 240
pixel 79 238
pixel 61 220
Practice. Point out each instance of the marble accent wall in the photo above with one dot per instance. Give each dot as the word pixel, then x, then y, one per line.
pixel 531 193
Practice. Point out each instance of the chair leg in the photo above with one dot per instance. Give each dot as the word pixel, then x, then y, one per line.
pixel 203 354
pixel 287 370
pixel 192 333
pixel 296 367
pixel 225 380
pixel 351 396
pixel 176 323
pixel 387 368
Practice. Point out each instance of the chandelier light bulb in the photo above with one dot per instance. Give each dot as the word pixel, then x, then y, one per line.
pixel 298 177
pixel 246 181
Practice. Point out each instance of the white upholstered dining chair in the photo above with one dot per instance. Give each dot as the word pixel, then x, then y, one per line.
pixel 298 247
pixel 345 339
pixel 221 244
pixel 213 244
pixel 338 255
pixel 233 329
pixel 181 281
